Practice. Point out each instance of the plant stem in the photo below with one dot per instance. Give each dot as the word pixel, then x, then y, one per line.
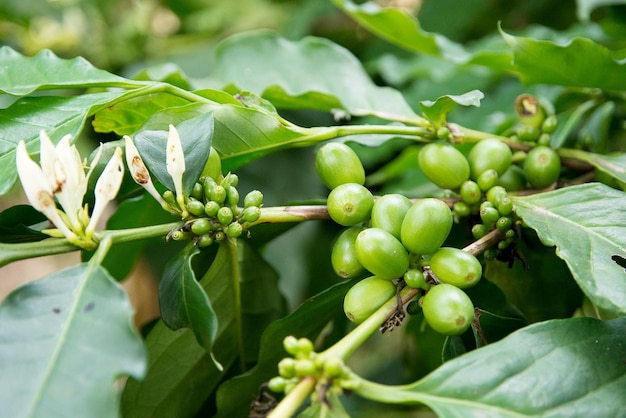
pixel 134 234
pixel 290 403
pixel 236 284
pixel 280 214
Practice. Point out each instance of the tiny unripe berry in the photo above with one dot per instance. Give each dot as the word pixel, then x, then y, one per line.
pixel 504 223
pixel 333 367
pixel 443 133
pixel 495 195
pixel 198 191
pixel 211 208
pixel 219 236
pixel 510 234
pixel 414 278
pixel 505 207
pixel 413 308
pixel 489 215
pixel 234 230
pixel 170 198
pixel 225 215
pixel 305 347
pixel 479 231
pixel 549 124
pixel 290 344
pixel 304 368
pixel 545 140
pixel 217 193
pixel 213 166
pixel 254 198
pixel 277 384
pixel 461 209
pixel 487 179
pixel 195 207
pixel 502 245
pixel 232 196
pixel 287 367
pixel 231 179
pixel 204 241
pixel 470 192
pixel 528 133
pixel 251 214
pixel 542 166
pixel 201 226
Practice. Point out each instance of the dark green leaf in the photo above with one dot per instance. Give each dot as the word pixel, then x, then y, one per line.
pixel 564 368
pixel 190 375
pixel 195 133
pixel 585 7
pixel 58 116
pixel 21 75
pixel 338 82
pixel 579 63
pixel 64 341
pixel 183 301
pixel 17 222
pixel 587 226
pixel 308 320
pixel 436 111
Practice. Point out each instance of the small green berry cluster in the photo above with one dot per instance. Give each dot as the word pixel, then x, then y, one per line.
pixel 536 126
pixel 213 211
pixel 330 373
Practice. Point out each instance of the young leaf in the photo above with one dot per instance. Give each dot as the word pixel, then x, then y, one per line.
pixel 64 341
pixel 586 225
pixel 58 116
pixel 579 63
pixel 192 376
pixel 183 302
pixel 21 75
pixel 196 135
pixel 436 111
pixel 233 397
pixel 338 82
pixel 569 367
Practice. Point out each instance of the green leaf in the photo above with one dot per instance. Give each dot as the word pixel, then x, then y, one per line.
pixel 586 224
pixel 404 30
pixel 233 397
pixel 579 63
pixel 569 367
pixel 58 116
pixel 330 408
pixel 436 111
pixel 585 7
pixel 64 341
pixel 613 165
pixel 183 301
pixel 338 82
pixel 195 133
pixel 16 224
pixel 190 375
pixel 21 75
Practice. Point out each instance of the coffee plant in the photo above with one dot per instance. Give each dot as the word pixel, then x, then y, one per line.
pixel 449 239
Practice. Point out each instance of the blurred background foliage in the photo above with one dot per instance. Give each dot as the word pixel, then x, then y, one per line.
pixel 129 36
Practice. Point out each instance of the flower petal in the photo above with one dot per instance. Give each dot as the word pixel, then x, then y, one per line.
pixel 175 163
pixel 139 172
pixel 107 187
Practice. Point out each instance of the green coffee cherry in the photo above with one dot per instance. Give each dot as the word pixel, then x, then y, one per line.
pixel 366 297
pixel 231 179
pixel 489 154
pixel 381 253
pixel 251 214
pixel 197 192
pixel 426 226
pixel 504 223
pixel 496 194
pixel 529 111
pixel 290 344
pixel 277 384
pixel 343 256
pixel 545 140
pixel 456 267
pixel 549 124
pixel 336 164
pixel 479 231
pixel 389 211
pixel 447 309
pixel 211 208
pixel 489 215
pixel 213 166
pixel 232 196
pixel 444 165
pixel 170 198
pixel 350 204
pixel 487 179
pixel 470 192
pixel 204 241
pixel 217 193
pixel 542 166
pixel 528 133
pixel 254 198
pixel 201 226
pixel 287 367
pixel 413 308
pixel 461 209
pixel 414 278
pixel 234 230
pixel 505 206
pixel 225 215
pixel 195 207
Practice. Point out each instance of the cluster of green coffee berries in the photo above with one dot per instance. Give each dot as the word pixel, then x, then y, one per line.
pixel 330 372
pixel 212 208
pixel 397 241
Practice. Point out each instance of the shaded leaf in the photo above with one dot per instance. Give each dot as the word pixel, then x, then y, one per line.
pixel 586 225
pixel 331 408
pixel 181 375
pixel 21 75
pixel 58 116
pixel 338 82
pixel 195 133
pixel 233 397
pixel 436 111
pixel 64 341
pixel 585 7
pixel 613 165
pixel 183 301
pixel 19 224
pixel 579 63
pixel 569 367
